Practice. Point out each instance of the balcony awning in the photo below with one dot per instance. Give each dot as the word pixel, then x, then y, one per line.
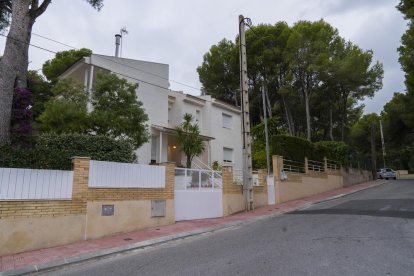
pixel 169 130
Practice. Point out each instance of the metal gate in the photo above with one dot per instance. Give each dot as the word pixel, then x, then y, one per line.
pixel 198 194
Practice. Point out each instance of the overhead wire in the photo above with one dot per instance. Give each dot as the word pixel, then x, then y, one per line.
pixel 132 67
pixel 103 57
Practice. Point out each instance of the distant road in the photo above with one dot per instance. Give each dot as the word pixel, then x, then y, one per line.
pixel 367 233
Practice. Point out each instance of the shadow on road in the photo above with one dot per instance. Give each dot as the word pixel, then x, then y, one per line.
pixel 397 208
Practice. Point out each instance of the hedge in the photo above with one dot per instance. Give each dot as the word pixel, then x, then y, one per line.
pixel 53 151
pixel 296 148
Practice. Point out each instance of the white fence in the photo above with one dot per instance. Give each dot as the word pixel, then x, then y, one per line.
pixel 197 194
pixel 238 177
pixel 197 179
pixel 28 184
pixel 125 175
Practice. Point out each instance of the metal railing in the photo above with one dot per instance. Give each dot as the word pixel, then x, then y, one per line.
pixel 238 177
pixel 197 179
pixel 332 165
pixel 293 166
pixel 316 166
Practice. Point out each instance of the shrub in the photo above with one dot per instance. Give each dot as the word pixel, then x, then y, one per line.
pixel 296 148
pixel 53 151
pixel 337 151
pixel 291 147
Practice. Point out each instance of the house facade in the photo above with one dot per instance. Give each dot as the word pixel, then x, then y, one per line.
pixel 219 122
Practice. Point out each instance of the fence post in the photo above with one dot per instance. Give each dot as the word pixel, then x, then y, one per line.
pixel 306 165
pixel 325 164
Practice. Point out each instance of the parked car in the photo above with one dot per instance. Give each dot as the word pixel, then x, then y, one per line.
pixel 386 173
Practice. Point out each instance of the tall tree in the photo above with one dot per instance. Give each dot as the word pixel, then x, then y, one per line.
pixel 189 139
pixel 309 48
pixel 406 49
pixel 218 72
pixel 14 63
pixel 312 78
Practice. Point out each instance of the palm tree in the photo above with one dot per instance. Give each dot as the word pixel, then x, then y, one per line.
pixel 189 139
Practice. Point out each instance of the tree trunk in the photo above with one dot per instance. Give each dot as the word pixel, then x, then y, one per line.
pixel 268 105
pixel 308 119
pixel 15 60
pixel 289 118
pixel 330 123
pixel 343 120
pixel 188 162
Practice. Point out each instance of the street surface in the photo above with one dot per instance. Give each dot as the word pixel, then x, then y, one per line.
pixel 367 233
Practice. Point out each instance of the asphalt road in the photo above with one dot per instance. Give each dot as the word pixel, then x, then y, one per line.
pixel 366 233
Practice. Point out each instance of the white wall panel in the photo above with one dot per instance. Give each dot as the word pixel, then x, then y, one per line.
pixel 123 175
pixel 28 184
pixel 198 204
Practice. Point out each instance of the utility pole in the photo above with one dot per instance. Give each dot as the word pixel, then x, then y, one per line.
pixel 247 149
pixel 266 131
pixel 382 143
pixel 373 153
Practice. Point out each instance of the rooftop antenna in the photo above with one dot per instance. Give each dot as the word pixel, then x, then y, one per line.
pixel 118 41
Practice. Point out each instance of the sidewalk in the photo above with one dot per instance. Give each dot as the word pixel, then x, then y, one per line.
pixel 54 257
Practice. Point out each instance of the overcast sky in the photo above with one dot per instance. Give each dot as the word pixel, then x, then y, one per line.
pixel 180 32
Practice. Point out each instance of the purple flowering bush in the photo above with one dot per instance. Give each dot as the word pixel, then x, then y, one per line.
pixel 21 121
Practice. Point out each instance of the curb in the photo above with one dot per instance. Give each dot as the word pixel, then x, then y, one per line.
pixel 120 250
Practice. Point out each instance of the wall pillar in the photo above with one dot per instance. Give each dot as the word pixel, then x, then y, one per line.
pixel 306 165
pixel 80 178
pixel 169 179
pixel 226 178
pixel 277 161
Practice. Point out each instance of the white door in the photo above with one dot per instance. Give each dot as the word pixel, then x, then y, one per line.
pixel 270 189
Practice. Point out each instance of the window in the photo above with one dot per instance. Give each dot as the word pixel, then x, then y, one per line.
pixel 198 116
pixel 227 120
pixel 227 155
pixel 153 148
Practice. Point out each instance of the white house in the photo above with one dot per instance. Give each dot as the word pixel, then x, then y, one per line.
pixel 220 123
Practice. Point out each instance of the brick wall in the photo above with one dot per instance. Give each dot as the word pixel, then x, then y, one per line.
pixel 94 194
pixel 233 201
pixel 227 180
pixel 32 224
pixel 25 209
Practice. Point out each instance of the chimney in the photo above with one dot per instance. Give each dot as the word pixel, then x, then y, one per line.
pixel 117 44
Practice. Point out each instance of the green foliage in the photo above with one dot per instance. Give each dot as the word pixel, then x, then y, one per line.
pixel 273 128
pixel 313 78
pixel 398 118
pixel 360 136
pixel 41 91
pixel 218 71
pixel 189 139
pixel 336 151
pixel 52 69
pixel 216 166
pixel 296 149
pixel 291 147
pixel 53 151
pixel 66 111
pixel 116 113
pixel 116 110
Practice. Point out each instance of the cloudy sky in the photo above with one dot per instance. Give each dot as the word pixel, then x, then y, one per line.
pixel 180 32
